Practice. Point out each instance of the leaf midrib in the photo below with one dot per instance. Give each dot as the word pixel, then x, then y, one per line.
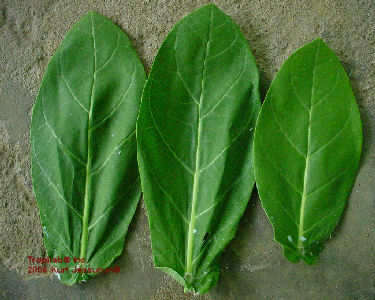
pixel 307 163
pixel 189 257
pixel 84 237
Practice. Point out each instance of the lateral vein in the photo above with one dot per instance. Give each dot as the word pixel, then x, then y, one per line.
pixel 55 187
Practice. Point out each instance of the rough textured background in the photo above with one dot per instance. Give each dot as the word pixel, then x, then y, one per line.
pixel 253 266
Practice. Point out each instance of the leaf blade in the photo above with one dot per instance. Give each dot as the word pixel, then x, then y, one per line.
pixel 198 108
pixel 308 108
pixel 82 130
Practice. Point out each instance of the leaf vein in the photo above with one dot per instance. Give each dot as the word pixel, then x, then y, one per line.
pixel 110 155
pixel 295 92
pixel 285 209
pixel 166 143
pixel 54 186
pixel 162 235
pixel 109 208
pixel 70 153
pixel 69 88
pixel 320 220
pixel 123 97
pixel 307 162
pixel 332 89
pixel 333 178
pixel 225 49
pixel 229 145
pixel 62 240
pixel 190 240
pixel 227 91
pixel 112 54
pixel 282 174
pixel 283 132
pixel 187 88
pixel 335 136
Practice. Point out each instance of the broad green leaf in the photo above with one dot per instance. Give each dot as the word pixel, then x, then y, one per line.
pixel 83 145
pixel 307 148
pixel 195 134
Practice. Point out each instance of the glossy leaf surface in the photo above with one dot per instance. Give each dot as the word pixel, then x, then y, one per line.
pixel 83 151
pixel 307 148
pixel 195 134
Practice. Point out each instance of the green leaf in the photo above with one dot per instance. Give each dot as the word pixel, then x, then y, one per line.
pixel 307 148
pixel 83 145
pixel 195 135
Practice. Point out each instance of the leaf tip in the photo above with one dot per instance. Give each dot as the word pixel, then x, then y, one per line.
pixel 319 41
pixel 211 6
pixel 94 14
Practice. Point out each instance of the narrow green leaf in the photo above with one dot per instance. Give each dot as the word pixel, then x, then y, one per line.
pixel 83 146
pixel 307 148
pixel 195 134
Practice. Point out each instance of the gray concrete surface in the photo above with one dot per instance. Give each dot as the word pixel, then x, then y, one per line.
pixel 253 266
